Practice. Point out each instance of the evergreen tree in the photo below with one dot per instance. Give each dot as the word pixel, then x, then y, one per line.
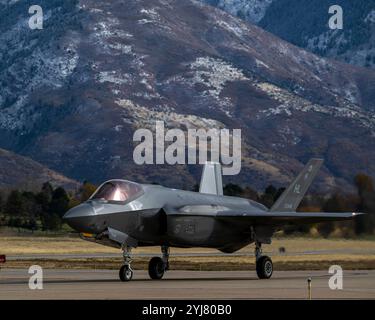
pixel 47 190
pixel 51 221
pixel 15 205
pixel 233 190
pixel 86 191
pixel 278 193
pixel 30 204
pixel 1 202
pixel 268 197
pixel 366 194
pixel 59 202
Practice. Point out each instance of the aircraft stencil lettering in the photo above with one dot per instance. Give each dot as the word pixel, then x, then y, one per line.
pixel 133 215
pixel 297 188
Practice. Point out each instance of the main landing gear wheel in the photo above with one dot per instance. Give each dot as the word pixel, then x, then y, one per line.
pixel 264 267
pixel 126 273
pixel 156 268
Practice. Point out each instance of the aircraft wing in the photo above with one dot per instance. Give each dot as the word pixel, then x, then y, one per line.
pixel 285 218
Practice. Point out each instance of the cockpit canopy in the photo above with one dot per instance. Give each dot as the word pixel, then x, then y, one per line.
pixel 117 191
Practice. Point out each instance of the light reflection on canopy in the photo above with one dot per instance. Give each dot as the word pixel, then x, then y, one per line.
pixel 117 190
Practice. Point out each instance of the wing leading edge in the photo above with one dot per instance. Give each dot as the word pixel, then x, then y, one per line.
pixel 285 218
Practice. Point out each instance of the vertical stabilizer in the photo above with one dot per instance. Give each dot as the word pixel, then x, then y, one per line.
pixel 211 182
pixel 292 197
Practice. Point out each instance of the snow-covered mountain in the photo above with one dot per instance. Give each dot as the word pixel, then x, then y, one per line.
pixel 250 10
pixel 72 94
pixel 305 24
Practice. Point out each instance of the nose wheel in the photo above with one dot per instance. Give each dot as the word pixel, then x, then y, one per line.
pixel 264 265
pixel 158 266
pixel 126 272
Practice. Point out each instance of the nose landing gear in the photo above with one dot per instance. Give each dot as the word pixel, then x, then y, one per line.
pixel 158 266
pixel 264 265
pixel 126 272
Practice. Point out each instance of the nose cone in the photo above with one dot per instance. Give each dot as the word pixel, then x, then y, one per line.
pixel 81 218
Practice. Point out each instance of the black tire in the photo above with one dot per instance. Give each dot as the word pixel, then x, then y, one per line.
pixel 126 273
pixel 156 268
pixel 264 267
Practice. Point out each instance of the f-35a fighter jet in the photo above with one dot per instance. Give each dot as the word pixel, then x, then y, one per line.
pixel 127 215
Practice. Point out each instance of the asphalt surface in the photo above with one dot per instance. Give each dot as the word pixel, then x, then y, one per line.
pixel 104 284
pixel 186 254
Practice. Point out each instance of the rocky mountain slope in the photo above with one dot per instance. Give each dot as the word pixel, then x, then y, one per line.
pixel 21 172
pixel 250 10
pixel 305 23
pixel 72 94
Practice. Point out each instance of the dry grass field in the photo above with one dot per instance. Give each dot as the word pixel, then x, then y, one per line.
pixel 300 254
pixel 74 245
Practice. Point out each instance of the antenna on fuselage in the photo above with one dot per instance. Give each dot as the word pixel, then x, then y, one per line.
pixel 211 181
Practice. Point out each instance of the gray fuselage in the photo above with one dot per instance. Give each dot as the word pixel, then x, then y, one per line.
pixel 163 216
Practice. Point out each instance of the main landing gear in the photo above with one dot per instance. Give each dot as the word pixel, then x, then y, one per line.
pixel 156 267
pixel 264 265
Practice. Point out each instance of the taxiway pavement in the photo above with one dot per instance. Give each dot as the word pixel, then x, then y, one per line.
pixel 104 284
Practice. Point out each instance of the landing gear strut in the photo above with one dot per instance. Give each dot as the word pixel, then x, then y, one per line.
pixel 158 266
pixel 264 266
pixel 126 272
